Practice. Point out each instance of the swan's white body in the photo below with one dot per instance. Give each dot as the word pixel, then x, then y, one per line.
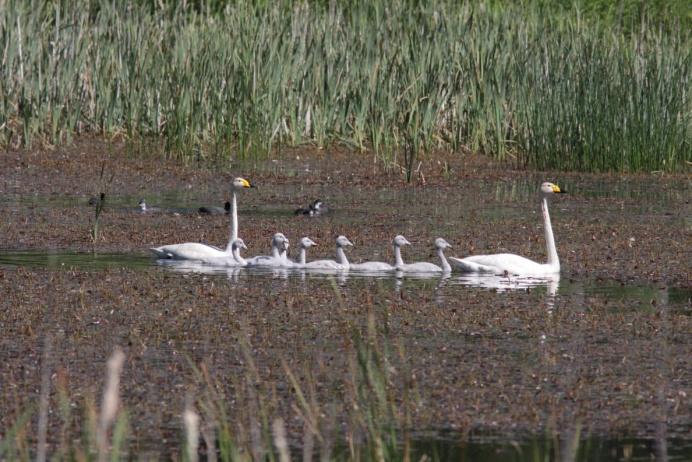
pixel 275 260
pixel 190 251
pixel 509 263
pixel 341 262
pixel 198 251
pixel 421 267
pixel 371 266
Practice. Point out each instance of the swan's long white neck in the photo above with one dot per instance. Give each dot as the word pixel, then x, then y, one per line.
pixel 341 256
pixel 234 217
pixel 446 267
pixel 302 256
pixel 275 251
pixel 238 258
pixel 398 261
pixel 553 259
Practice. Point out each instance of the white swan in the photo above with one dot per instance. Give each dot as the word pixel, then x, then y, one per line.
pixel 236 246
pixel 197 251
pixel 279 245
pixel 502 263
pixel 422 266
pixel 341 262
pixel 305 244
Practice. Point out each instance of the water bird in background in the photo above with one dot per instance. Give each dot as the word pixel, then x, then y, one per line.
pixel 214 210
pixel 96 200
pixel 316 208
pixel 515 264
pixel 198 251
pixel 144 208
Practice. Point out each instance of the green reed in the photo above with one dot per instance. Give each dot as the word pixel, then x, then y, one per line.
pixel 546 86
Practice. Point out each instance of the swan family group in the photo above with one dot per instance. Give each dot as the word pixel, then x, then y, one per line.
pixel 497 264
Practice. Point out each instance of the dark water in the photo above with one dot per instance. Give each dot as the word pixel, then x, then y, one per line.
pixel 65 260
pixel 552 448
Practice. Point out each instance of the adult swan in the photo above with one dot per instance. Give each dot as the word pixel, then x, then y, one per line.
pixel 510 263
pixel 198 251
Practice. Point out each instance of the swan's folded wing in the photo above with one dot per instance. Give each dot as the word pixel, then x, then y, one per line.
pixel 469 266
pixel 160 253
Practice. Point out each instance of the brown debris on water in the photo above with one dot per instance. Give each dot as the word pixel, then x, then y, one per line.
pixel 475 359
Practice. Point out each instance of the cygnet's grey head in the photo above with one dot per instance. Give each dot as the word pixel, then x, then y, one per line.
pixel 280 241
pixel 342 241
pixel 306 243
pixel 441 243
pixel 400 241
pixel 239 244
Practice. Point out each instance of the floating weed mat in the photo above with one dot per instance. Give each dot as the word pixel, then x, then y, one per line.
pixel 541 86
pixel 377 426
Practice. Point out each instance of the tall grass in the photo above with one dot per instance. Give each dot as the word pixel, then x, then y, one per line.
pixel 547 87
pixel 376 422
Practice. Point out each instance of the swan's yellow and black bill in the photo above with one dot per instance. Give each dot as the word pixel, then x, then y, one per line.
pixel 246 183
pixel 556 189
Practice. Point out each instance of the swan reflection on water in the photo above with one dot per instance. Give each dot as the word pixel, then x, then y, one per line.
pixel 508 283
pixel 485 281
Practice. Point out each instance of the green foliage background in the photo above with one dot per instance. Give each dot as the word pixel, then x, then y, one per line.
pixel 586 85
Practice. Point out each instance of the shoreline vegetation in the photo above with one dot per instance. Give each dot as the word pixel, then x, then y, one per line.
pixel 544 85
pixel 379 395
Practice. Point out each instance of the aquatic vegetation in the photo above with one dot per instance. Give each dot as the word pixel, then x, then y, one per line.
pixel 102 432
pixel 99 202
pixel 378 395
pixel 545 87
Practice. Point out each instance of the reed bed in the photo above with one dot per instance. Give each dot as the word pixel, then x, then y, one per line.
pixel 541 86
